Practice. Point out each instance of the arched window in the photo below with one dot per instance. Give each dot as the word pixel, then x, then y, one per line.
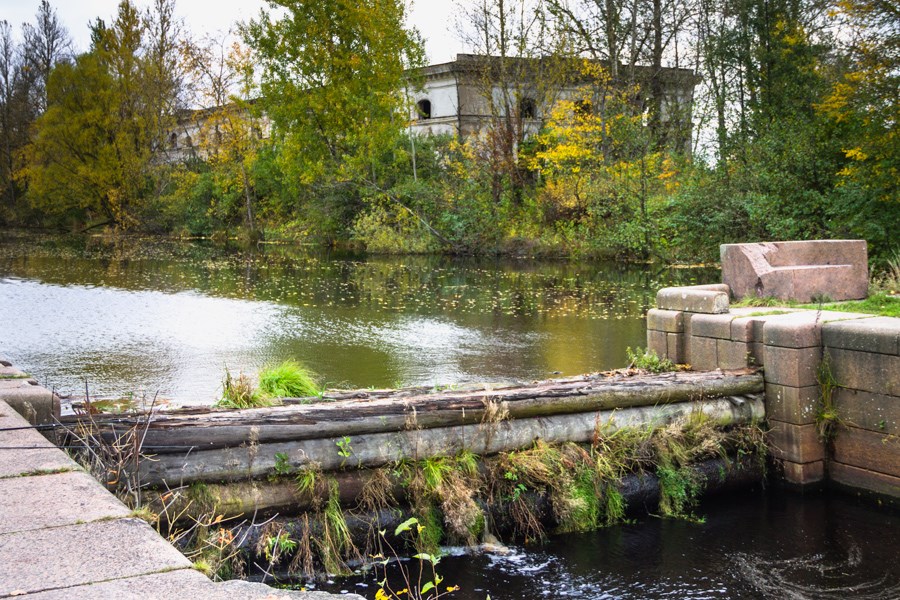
pixel 423 107
pixel 528 108
pixel 173 140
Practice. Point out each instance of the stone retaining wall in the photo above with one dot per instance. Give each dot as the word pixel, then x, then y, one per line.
pixel 863 355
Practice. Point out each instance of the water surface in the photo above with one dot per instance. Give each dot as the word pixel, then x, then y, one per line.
pixel 753 545
pixel 152 316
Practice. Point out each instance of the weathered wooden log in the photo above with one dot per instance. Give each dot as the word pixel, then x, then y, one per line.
pixel 640 493
pixel 343 450
pixel 366 412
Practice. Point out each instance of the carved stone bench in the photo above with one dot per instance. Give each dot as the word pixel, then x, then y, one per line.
pixel 799 271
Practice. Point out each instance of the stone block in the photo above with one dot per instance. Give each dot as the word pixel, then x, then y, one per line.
pixel 868 450
pixel 795 330
pixel 797 406
pixel 81 554
pixel 797 271
pixel 795 443
pixel 5 362
pixel 657 341
pixel 857 478
pixel 793 367
pixel 675 347
pixel 77 497
pixel 690 299
pixel 804 473
pixel 670 321
pixel 37 404
pixel 868 371
pixel 875 412
pixel 742 330
pixel 876 334
pixel 703 352
pixel 714 326
pixel 732 355
pixel 184 584
pixel 34 454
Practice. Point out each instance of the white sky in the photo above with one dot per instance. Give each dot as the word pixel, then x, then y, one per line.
pixel 435 19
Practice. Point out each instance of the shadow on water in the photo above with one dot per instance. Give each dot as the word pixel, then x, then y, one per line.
pixel 763 544
pixel 156 315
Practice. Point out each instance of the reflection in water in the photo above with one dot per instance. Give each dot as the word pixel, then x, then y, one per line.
pixel 157 316
pixel 758 545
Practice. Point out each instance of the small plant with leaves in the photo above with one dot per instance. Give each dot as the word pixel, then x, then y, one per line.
pixel 427 585
pixel 647 360
pixel 827 417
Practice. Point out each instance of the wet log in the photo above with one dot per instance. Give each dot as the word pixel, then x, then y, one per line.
pixel 379 411
pixel 345 450
pixel 640 493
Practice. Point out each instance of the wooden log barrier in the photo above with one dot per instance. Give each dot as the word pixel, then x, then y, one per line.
pixel 377 411
pixel 335 452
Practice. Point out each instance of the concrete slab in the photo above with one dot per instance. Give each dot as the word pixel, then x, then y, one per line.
pixel 184 584
pixel 37 404
pixel 25 451
pixel 47 559
pixel 76 498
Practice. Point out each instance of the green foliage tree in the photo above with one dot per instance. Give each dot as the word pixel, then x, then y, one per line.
pixel 332 81
pixel 93 153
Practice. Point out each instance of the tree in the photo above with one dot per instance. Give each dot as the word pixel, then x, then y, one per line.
pixel 332 76
pixel 46 44
pixel 93 155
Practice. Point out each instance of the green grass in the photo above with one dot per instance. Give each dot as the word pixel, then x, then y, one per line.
pixel 287 380
pixel 879 303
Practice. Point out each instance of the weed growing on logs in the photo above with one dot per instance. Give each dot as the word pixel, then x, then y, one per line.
pixel 647 360
pixel 287 380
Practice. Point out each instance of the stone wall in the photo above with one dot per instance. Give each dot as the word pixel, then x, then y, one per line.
pixel 861 352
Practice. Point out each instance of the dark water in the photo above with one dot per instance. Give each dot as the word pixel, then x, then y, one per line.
pixel 152 316
pixel 775 544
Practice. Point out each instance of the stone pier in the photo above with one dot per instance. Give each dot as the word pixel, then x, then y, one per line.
pixel 796 349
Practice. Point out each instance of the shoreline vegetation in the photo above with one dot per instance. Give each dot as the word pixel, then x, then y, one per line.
pixel 791 134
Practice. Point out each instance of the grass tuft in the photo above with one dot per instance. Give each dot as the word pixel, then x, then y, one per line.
pixel 239 392
pixel 287 380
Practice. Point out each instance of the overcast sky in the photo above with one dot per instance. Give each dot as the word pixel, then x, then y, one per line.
pixel 434 18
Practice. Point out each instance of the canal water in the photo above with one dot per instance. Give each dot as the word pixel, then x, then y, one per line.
pixel 764 544
pixel 151 317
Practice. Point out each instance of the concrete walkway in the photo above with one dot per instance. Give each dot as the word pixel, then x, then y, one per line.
pixel 63 535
